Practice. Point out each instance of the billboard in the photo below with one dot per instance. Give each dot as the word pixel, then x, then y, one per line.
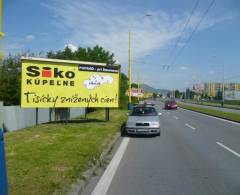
pixel 61 83
pixel 231 95
pixel 136 93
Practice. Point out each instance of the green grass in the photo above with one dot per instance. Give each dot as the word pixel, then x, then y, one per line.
pixel 227 104
pixel 217 113
pixel 48 158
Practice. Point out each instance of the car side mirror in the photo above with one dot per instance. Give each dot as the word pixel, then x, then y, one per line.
pixel 159 114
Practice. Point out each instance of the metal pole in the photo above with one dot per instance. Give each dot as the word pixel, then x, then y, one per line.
pixel 3 171
pixel 107 114
pixel 223 87
pixel 129 71
pixel 138 81
pixel 1 33
pixel 36 116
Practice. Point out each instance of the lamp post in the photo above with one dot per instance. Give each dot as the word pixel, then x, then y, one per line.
pixel 1 33
pixel 138 81
pixel 223 86
pixel 130 66
pixel 129 71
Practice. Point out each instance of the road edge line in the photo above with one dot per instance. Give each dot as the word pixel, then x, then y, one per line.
pixel 107 177
pixel 211 116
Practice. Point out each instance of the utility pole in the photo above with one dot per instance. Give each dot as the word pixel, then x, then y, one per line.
pixel 1 33
pixel 130 65
pixel 138 81
pixel 223 86
pixel 129 71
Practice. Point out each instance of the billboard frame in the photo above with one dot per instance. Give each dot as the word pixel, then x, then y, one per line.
pixel 74 62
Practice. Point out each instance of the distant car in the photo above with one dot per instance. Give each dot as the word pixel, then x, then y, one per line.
pixel 170 104
pixel 143 120
pixel 149 103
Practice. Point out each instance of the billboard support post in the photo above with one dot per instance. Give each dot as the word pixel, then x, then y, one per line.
pixel 107 114
pixel 36 116
pixel 3 171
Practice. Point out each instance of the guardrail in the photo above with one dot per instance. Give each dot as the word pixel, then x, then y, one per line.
pixel 3 171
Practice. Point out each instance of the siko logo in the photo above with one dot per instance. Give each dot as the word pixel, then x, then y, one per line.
pixel 47 72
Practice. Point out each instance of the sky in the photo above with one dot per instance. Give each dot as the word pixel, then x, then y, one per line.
pixel 168 53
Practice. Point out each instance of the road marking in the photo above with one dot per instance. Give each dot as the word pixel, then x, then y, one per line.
pixel 229 149
pixel 175 117
pixel 106 179
pixel 190 126
pixel 221 119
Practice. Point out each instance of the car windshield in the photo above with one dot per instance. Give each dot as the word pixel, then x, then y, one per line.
pixel 144 111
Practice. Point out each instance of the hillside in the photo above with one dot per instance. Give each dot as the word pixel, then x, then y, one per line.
pixel 149 89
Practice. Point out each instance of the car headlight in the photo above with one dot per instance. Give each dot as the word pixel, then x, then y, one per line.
pixel 155 124
pixel 130 124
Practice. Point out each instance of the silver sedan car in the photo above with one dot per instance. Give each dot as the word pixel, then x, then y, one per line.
pixel 143 120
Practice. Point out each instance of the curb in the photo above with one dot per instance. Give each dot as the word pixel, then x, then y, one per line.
pixel 79 186
pixel 233 108
pixel 211 115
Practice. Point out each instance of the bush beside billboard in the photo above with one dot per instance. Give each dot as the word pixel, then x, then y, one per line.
pixel 58 83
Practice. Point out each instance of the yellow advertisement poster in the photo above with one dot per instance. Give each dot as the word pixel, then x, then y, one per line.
pixel 62 84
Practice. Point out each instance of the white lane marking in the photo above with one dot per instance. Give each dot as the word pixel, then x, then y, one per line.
pixel 221 119
pixel 175 117
pixel 106 179
pixel 190 126
pixel 229 149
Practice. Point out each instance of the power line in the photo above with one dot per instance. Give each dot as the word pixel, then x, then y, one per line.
pixel 194 30
pixel 180 37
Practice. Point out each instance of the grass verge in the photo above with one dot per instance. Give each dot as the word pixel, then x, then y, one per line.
pixel 217 104
pixel 217 113
pixel 48 158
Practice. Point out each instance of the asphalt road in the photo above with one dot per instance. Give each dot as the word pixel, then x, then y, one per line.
pixel 195 155
pixel 237 111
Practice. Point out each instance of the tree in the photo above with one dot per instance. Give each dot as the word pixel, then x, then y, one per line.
pixel 154 96
pixel 10 80
pixel 123 89
pixel 177 94
pixel 95 54
pixel 134 85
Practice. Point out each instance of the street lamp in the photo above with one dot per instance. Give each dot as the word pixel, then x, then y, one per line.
pixel 223 85
pixel 130 66
pixel 1 33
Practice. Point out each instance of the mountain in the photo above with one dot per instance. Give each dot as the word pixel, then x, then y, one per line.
pixel 149 89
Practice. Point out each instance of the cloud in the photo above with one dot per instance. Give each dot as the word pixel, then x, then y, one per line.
pixel 91 23
pixel 71 46
pixel 183 68
pixel 16 45
pixel 97 80
pixel 29 38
